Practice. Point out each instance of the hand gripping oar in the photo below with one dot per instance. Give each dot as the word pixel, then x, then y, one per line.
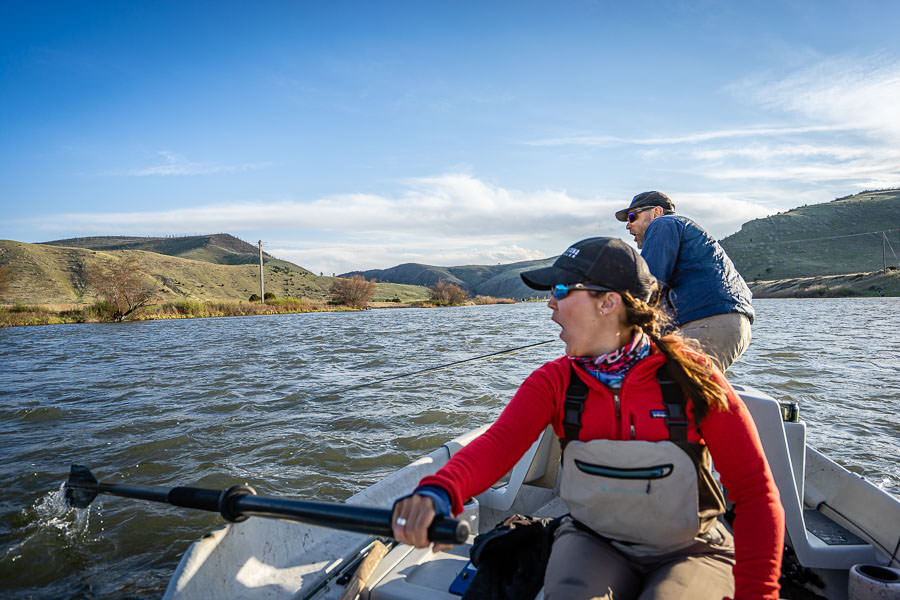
pixel 238 502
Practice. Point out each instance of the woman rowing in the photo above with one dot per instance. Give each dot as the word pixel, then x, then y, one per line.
pixel 639 415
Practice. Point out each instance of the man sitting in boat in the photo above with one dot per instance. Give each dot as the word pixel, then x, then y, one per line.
pixel 639 415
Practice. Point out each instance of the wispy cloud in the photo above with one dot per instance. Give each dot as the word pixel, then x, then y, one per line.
pixel 780 151
pixel 853 98
pixel 843 92
pixel 848 134
pixel 692 138
pixel 174 164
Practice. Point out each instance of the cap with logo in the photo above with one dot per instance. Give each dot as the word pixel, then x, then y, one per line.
pixel 646 199
pixel 609 262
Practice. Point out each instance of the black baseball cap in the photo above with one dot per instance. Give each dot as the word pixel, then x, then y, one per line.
pixel 607 261
pixel 646 199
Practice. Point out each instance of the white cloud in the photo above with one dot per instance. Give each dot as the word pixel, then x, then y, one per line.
pixel 448 219
pixel 719 213
pixel 174 164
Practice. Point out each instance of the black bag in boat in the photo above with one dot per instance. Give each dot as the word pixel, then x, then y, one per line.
pixel 511 559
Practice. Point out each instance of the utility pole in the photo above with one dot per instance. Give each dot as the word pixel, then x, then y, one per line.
pixel 883 242
pixel 262 288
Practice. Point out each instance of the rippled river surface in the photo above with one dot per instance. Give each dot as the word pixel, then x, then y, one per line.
pixel 267 400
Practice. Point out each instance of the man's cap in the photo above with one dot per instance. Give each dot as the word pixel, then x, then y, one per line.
pixel 609 262
pixel 646 199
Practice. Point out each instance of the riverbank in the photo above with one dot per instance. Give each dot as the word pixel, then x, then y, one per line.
pixel 865 284
pixel 18 315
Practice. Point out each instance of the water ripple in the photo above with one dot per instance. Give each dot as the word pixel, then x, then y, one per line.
pixel 271 401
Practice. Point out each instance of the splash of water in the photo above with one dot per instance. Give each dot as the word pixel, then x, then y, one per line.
pixel 51 517
pixel 54 512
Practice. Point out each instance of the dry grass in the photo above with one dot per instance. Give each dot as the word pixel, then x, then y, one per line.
pixel 23 314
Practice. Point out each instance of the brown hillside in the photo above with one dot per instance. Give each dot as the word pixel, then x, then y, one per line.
pixel 45 274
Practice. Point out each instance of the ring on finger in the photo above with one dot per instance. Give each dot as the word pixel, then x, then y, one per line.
pixel 401 522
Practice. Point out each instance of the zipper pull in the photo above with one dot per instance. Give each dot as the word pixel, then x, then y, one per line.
pixel 648 486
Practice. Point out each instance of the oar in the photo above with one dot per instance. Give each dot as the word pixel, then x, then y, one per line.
pixel 240 501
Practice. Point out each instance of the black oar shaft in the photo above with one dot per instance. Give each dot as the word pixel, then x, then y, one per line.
pixel 239 502
pixel 140 492
pixel 348 517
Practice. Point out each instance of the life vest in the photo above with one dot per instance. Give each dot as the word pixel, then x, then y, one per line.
pixel 644 497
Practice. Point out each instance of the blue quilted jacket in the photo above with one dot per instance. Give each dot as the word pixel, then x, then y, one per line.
pixel 699 278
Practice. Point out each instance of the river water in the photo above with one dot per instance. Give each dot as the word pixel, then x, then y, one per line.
pixel 267 400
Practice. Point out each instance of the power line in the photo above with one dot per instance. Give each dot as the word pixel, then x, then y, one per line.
pixel 834 237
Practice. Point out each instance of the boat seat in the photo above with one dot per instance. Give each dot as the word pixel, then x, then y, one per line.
pixel 785 448
pixel 408 573
pixel 537 466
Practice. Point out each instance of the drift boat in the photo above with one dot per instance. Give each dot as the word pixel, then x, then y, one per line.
pixel 843 533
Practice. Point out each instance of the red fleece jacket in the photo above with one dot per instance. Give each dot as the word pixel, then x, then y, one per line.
pixel 730 435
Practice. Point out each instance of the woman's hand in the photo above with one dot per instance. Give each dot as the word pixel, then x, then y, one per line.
pixel 411 519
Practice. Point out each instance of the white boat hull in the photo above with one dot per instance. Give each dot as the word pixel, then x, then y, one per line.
pixel 268 559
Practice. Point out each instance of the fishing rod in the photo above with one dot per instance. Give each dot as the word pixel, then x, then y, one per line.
pixel 444 366
pixel 239 502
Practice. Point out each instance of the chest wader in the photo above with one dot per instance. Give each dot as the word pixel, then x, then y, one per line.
pixel 644 497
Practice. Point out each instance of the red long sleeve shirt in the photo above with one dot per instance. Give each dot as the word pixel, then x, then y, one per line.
pixel 729 434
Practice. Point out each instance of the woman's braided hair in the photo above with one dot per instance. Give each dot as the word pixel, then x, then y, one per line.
pixel 693 370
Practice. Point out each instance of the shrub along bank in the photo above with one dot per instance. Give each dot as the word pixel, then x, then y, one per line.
pixel 101 312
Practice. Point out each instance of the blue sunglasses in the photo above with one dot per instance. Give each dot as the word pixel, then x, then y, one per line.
pixel 560 291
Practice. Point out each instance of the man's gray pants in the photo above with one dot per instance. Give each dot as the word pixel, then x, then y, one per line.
pixel 723 337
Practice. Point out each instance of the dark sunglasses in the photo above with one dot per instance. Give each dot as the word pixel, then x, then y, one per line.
pixel 633 214
pixel 560 291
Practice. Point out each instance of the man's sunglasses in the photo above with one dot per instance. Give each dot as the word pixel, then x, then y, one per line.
pixel 560 291
pixel 633 214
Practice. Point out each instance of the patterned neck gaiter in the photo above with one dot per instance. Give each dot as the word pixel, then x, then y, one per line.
pixel 610 368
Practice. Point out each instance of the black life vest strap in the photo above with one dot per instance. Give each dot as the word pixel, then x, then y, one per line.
pixel 673 399
pixel 573 407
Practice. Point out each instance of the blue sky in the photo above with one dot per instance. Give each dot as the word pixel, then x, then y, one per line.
pixel 357 135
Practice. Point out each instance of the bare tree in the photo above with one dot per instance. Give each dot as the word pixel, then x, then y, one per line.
pixel 79 277
pixel 5 277
pixel 120 286
pixel 448 293
pixel 354 291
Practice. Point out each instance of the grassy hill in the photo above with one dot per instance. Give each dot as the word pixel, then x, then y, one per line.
pixel 837 237
pixel 219 248
pixel 51 274
pixel 499 281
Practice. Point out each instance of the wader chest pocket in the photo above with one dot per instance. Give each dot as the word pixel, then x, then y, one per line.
pixel 638 492
pixel 655 472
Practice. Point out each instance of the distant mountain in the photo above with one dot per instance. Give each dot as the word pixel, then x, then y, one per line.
pixel 837 237
pixel 219 248
pixel 499 281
